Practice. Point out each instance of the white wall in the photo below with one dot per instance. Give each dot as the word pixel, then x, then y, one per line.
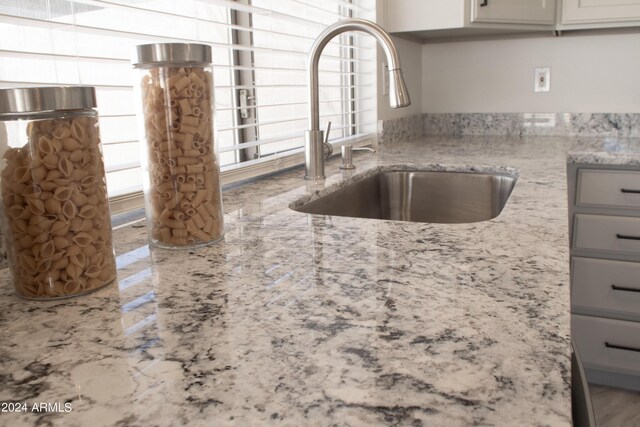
pixel 590 73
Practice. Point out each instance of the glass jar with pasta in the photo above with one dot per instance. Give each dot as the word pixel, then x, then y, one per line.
pixel 181 174
pixel 55 211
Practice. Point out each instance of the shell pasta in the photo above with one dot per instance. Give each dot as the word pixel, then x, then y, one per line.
pixel 58 228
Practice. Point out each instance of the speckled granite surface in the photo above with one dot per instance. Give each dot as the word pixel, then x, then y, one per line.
pixel 297 319
pixel 534 124
pixel 612 151
pixel 402 129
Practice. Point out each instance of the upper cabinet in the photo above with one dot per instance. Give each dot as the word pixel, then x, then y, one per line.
pixel 441 18
pixel 599 13
pixel 530 12
pixel 421 15
pixel 427 19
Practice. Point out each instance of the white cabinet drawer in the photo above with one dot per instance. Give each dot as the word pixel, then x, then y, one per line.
pixel 606 285
pixel 619 189
pixel 607 344
pixel 607 233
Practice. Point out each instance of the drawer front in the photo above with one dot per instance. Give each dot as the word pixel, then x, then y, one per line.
pixel 606 343
pixel 606 285
pixel 607 233
pixel 620 189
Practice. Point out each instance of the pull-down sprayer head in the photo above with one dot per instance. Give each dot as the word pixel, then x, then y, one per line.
pixel 398 94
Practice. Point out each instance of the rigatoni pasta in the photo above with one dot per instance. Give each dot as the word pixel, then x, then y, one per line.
pixel 182 165
pixel 55 202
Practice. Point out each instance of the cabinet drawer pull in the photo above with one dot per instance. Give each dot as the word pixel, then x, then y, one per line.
pixel 621 347
pixel 626 237
pixel 627 190
pixel 623 288
pixel 484 3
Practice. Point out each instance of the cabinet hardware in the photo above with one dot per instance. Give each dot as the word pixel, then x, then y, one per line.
pixel 627 190
pixel 625 237
pixel 621 347
pixel 623 288
pixel 484 3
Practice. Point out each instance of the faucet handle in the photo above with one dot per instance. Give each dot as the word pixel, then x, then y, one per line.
pixel 328 148
pixel 326 132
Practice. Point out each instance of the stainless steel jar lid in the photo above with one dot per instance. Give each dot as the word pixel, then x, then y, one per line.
pixel 171 53
pixel 43 99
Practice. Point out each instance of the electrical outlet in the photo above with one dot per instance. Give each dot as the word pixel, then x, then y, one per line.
pixel 542 82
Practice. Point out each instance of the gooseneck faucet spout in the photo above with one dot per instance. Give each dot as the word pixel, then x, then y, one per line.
pixel 398 94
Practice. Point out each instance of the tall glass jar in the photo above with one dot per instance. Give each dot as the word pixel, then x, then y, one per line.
pixel 180 166
pixel 55 211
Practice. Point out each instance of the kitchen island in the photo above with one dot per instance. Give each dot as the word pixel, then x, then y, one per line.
pixel 297 319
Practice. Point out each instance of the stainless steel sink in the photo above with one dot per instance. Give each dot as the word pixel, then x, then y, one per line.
pixel 418 196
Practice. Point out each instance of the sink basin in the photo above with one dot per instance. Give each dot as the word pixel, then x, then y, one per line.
pixel 418 196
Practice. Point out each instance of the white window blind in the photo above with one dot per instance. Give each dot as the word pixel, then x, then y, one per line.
pixel 259 47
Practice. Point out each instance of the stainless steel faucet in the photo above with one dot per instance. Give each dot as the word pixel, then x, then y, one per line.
pixel 398 94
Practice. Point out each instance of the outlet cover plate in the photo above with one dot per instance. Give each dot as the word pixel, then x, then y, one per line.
pixel 542 79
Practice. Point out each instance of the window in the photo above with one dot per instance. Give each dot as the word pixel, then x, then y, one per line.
pixel 259 47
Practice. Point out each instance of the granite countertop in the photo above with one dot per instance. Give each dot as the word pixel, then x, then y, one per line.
pixel 297 319
pixel 608 151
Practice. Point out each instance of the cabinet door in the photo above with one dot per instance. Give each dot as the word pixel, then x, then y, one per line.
pixel 538 12
pixel 600 11
pixel 605 286
pixel 607 344
pixel 608 188
pixel 423 15
pixel 608 233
